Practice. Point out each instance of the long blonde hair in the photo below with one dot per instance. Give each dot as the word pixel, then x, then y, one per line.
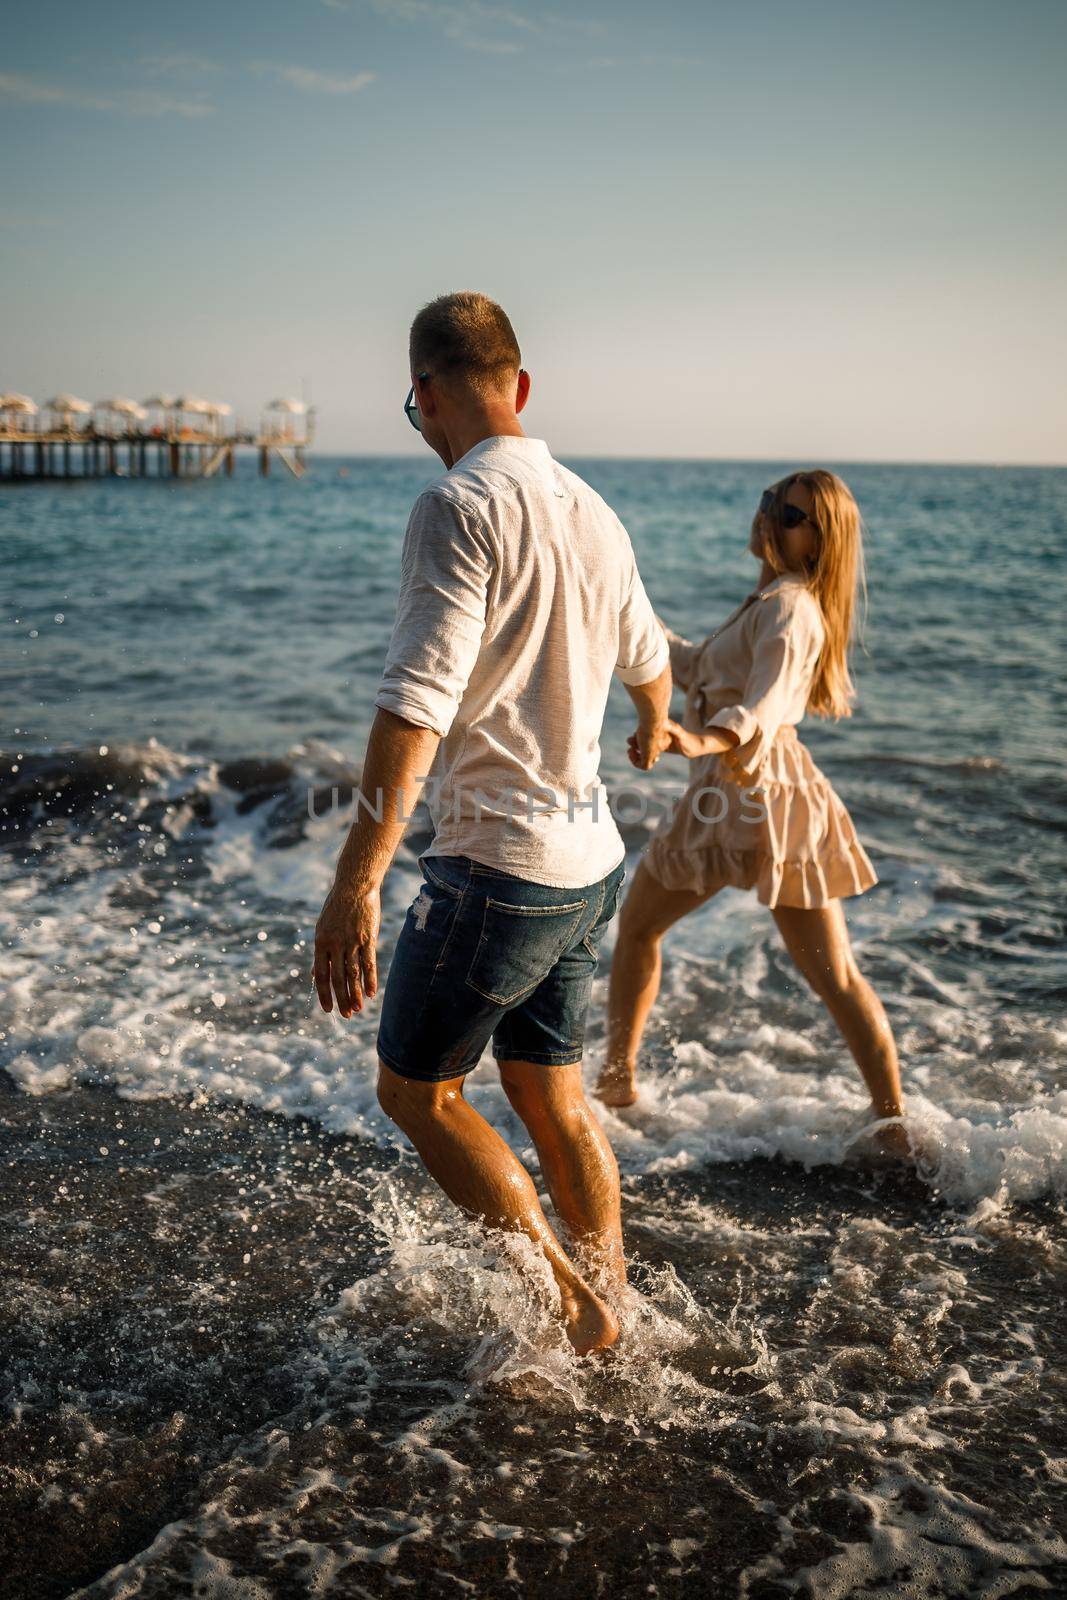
pixel 835 572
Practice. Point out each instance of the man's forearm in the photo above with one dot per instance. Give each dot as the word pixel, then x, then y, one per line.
pixel 652 700
pixel 399 757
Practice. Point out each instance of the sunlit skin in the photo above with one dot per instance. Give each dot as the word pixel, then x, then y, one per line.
pixel 467 1157
pixel 817 939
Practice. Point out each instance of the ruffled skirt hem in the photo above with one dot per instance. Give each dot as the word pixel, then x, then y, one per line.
pixel 803 852
pixel 807 884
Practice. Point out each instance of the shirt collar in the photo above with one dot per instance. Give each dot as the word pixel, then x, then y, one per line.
pixel 534 450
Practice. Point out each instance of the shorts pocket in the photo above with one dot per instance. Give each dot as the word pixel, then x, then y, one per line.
pixel 519 946
pixel 611 906
pixel 437 877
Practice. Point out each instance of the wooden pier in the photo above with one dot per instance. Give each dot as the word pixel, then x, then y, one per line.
pixel 161 438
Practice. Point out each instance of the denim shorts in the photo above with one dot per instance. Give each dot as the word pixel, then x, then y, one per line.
pixel 486 955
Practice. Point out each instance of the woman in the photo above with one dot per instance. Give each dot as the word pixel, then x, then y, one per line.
pixel 784 651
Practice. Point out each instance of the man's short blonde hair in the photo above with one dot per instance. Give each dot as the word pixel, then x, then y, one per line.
pixel 466 336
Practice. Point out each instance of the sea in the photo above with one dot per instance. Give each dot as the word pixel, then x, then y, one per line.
pixel 247 1348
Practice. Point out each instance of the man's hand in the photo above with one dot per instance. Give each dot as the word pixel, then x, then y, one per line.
pixel 346 957
pixel 652 701
pixel 346 935
pixel 645 746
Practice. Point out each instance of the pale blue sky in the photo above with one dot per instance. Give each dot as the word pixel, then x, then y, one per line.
pixel 792 231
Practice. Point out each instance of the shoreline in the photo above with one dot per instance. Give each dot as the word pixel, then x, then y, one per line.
pixel 233 1375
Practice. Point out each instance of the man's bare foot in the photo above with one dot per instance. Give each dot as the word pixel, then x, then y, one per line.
pixel 602 1264
pixel 616 1085
pixel 590 1325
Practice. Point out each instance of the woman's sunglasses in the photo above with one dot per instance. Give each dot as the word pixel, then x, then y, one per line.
pixel 792 516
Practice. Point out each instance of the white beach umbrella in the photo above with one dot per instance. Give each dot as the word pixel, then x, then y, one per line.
pixel 64 409
pixel 19 404
pixel 68 405
pixel 120 406
pixel 293 408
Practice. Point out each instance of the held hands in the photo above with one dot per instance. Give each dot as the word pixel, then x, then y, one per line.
pixel 735 758
pixel 684 743
pixel 645 746
pixel 346 938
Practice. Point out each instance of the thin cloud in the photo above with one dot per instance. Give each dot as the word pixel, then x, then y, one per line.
pixel 310 81
pixel 180 64
pixel 477 24
pixel 25 91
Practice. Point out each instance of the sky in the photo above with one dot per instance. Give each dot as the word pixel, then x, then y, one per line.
pixel 763 229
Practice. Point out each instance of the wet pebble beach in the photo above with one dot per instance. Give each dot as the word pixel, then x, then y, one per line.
pixel 237 1376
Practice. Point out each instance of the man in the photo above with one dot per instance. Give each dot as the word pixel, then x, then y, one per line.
pixel 519 598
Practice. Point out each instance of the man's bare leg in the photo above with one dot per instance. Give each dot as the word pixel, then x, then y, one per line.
pixel 647 912
pixel 576 1159
pixel 482 1174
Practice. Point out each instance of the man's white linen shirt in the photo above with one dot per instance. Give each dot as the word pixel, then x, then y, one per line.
pixel 519 598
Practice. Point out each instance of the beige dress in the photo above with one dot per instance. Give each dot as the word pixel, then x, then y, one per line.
pixel 793 841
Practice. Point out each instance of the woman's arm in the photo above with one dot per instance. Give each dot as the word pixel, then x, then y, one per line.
pixel 712 743
pixel 683 655
pixel 788 635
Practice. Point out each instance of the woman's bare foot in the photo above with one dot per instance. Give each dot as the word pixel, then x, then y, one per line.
pixel 885 1140
pixel 590 1325
pixel 891 1139
pixel 616 1085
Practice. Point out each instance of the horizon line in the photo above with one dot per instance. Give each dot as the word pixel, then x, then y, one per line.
pixel 852 461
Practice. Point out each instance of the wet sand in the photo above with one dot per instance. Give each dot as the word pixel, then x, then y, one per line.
pixel 196 1405
pixel 143 1335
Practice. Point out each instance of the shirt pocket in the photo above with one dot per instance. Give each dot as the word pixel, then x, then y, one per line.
pixel 519 946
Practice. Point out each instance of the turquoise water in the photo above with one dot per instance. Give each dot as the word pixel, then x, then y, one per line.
pixel 245 619
pixel 182 663
pixel 232 615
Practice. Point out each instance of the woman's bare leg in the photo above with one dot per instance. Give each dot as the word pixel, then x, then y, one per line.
pixel 647 912
pixel 818 942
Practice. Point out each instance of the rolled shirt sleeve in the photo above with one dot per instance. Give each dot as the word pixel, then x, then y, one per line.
pixel 786 645
pixel 643 649
pixel 445 573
